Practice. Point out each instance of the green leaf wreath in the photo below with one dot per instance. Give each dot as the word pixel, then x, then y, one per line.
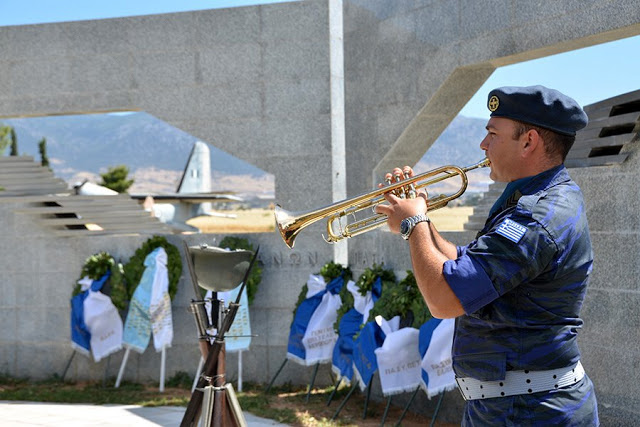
pixel 364 284
pixel 134 269
pixel 329 271
pixel 402 299
pixel 255 276
pixel 97 266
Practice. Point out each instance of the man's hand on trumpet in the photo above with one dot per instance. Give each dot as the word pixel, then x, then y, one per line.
pixel 400 207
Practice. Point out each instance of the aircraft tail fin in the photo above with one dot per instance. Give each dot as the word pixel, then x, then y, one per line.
pixel 196 177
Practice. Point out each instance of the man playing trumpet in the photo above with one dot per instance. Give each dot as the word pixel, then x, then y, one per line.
pixel 517 289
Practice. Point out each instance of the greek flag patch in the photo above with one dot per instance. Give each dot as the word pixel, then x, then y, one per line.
pixel 511 230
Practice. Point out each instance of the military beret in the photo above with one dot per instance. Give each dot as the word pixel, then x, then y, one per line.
pixel 538 105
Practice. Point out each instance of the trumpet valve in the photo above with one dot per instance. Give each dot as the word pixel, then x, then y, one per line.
pixel 400 191
pixel 410 190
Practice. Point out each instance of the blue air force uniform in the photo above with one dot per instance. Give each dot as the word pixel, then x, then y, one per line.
pixel 522 283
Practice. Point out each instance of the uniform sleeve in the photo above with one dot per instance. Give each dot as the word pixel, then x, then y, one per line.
pixel 461 250
pixel 516 250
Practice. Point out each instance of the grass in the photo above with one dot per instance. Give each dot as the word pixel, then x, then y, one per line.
pixel 451 219
pixel 286 404
pixel 262 220
pixel 247 221
pixel 57 391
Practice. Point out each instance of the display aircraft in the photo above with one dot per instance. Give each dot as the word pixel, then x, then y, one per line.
pixel 193 197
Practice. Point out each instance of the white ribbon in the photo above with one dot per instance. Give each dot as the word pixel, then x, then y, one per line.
pixel 104 324
pixel 320 338
pixel 398 358
pixel 362 303
pixel 437 361
pixel 160 304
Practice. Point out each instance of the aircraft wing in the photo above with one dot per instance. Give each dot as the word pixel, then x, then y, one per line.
pixel 189 197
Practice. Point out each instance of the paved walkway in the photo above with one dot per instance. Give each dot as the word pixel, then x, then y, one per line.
pixel 21 414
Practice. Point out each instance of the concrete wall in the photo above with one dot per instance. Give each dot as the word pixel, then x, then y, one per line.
pixel 254 81
pixel 609 340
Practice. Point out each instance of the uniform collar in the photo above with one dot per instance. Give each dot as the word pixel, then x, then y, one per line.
pixel 528 185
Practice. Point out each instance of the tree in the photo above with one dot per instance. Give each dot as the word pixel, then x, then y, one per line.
pixel 42 147
pixel 14 142
pixel 116 179
pixel 5 138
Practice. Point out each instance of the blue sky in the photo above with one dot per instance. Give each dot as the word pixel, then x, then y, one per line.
pixel 588 75
pixel 13 12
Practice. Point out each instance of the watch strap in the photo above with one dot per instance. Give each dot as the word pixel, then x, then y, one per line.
pixel 412 222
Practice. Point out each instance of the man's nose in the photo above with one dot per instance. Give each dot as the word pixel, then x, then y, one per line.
pixel 483 144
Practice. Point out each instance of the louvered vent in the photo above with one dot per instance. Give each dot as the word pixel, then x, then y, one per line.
pixel 613 123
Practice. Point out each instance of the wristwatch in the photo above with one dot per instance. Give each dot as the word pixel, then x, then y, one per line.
pixel 407 224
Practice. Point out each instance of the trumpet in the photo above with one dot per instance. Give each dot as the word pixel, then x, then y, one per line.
pixel 291 223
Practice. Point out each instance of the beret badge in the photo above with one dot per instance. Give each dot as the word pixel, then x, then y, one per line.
pixel 493 103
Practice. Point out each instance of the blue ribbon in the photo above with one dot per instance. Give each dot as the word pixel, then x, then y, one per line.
pixel 349 326
pixel 80 334
pixel 424 339
pixel 364 357
pixel 303 315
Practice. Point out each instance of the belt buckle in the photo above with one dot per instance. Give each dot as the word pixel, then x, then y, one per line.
pixel 460 389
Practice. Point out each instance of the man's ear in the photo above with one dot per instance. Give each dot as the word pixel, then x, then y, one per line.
pixel 531 140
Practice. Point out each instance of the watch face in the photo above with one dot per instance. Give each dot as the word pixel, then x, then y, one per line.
pixel 404 227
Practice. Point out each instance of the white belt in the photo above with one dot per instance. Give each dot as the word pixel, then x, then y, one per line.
pixel 520 382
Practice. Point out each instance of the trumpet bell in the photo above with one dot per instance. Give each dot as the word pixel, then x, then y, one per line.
pixel 286 225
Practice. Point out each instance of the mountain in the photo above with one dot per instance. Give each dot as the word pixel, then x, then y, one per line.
pixel 83 146
pixel 459 145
